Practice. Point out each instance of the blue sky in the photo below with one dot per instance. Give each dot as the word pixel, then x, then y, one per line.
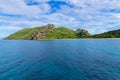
pixel 96 16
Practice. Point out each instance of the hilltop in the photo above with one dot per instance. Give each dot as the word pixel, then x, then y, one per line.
pixel 49 32
pixel 109 34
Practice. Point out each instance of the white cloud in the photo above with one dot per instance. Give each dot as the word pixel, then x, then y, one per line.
pixel 41 1
pixel 117 16
pixel 85 14
pixel 45 8
pixel 10 28
pixel 95 3
pixel 19 7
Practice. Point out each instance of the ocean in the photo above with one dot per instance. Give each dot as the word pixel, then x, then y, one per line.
pixel 84 59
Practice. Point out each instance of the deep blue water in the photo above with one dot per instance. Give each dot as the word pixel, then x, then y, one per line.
pixel 60 60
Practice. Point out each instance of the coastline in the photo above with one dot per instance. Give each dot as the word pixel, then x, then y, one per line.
pixel 69 39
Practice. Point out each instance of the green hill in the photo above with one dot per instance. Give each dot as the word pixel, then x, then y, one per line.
pixel 110 34
pixel 81 33
pixel 48 32
pixel 23 34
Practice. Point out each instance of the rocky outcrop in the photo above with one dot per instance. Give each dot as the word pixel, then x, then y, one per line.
pixel 48 32
pixel 49 26
pixel 42 33
pixel 82 33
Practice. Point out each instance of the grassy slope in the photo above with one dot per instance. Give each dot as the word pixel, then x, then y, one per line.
pixel 57 33
pixel 23 34
pixel 61 33
pixel 110 34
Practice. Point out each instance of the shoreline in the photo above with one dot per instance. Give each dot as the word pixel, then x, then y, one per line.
pixel 70 39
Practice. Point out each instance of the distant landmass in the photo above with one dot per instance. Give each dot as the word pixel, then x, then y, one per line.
pixel 50 32
pixel 109 34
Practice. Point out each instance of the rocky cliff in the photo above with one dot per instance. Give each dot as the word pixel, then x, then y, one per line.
pixel 48 32
pixel 82 33
pixel 42 33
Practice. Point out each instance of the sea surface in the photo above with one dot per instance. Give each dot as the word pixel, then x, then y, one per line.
pixel 60 59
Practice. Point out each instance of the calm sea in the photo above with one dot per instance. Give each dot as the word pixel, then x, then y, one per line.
pixel 60 60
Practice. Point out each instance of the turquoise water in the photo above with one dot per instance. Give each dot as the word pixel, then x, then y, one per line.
pixel 60 60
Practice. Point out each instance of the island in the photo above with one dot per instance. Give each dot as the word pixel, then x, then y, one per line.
pixel 51 32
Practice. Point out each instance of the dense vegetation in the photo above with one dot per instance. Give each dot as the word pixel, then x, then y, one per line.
pixel 50 32
pixel 56 33
pixel 110 34
pixel 23 34
pixel 61 33
pixel 81 33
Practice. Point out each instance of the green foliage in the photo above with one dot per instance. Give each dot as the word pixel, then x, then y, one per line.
pixel 56 33
pixel 23 34
pixel 49 32
pixel 110 34
pixel 61 33
pixel 81 33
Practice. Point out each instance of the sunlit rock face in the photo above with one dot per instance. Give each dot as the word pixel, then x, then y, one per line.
pixel 42 33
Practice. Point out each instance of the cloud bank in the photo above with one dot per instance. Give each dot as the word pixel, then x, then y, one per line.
pixel 96 16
